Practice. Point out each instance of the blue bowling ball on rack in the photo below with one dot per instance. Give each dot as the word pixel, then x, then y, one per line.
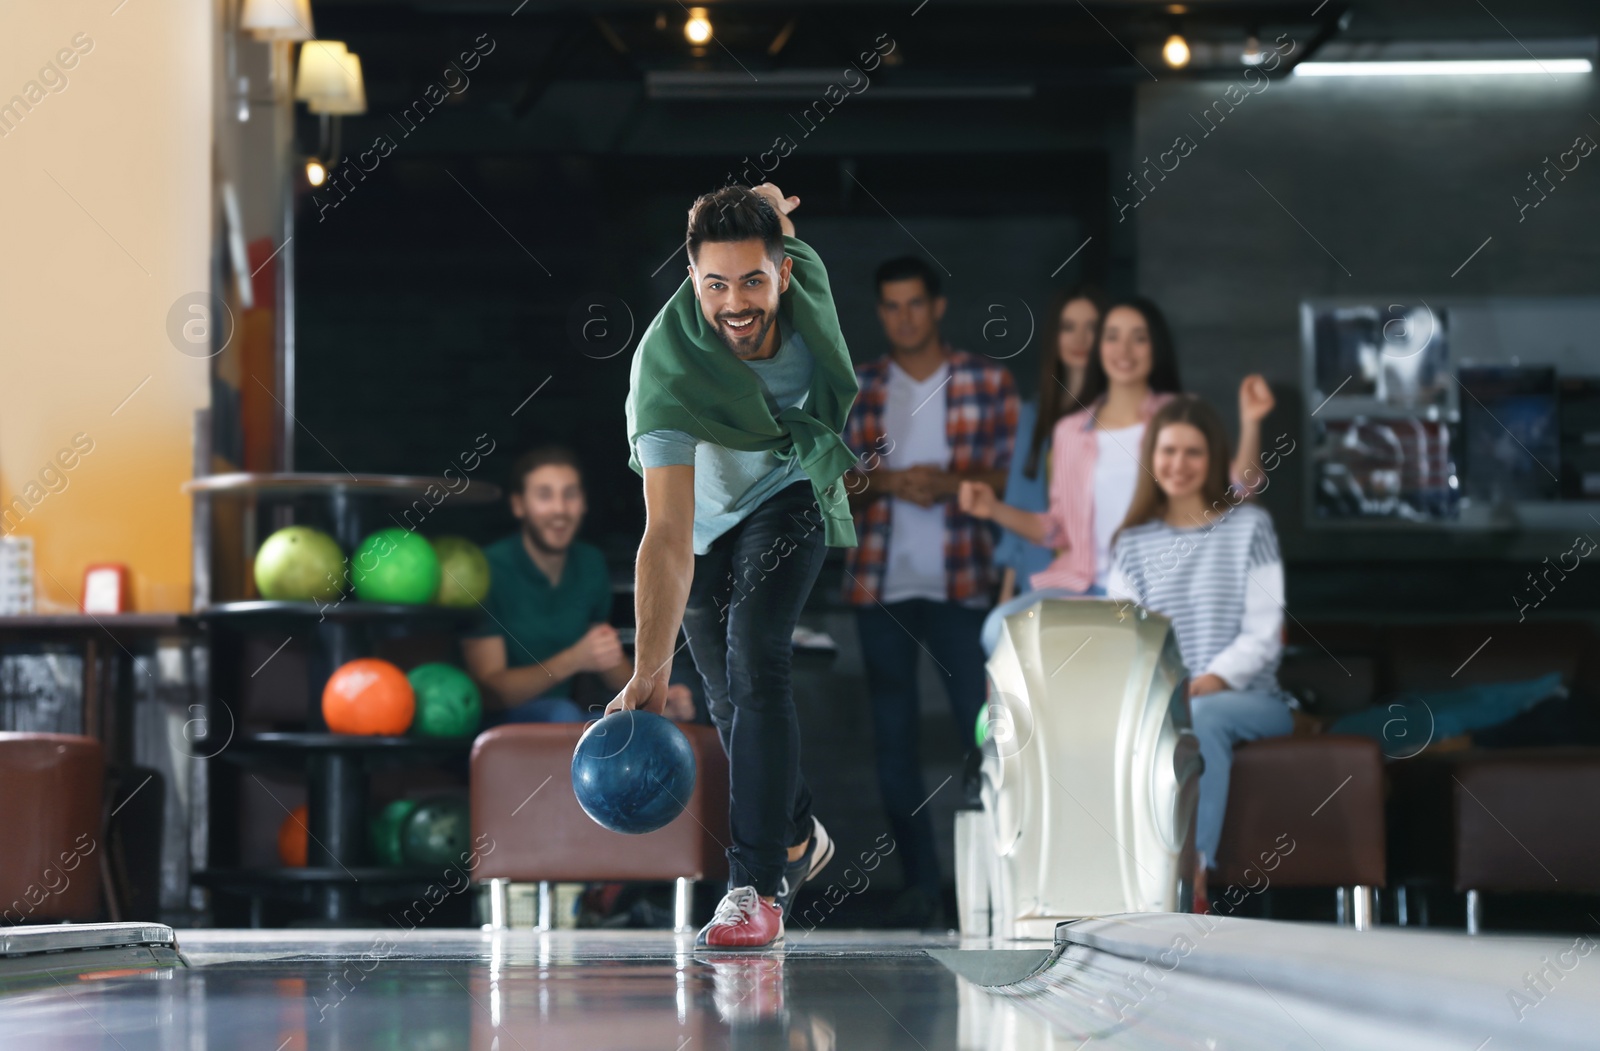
pixel 633 772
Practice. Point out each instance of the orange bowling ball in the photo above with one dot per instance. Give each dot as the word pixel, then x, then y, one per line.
pixel 368 696
pixel 292 837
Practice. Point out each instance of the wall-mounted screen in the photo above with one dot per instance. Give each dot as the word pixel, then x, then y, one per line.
pixel 1511 426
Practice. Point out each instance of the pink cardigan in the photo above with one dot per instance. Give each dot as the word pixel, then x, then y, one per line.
pixel 1074 447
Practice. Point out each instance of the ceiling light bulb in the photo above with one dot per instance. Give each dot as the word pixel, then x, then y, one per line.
pixel 1176 51
pixel 316 174
pixel 698 29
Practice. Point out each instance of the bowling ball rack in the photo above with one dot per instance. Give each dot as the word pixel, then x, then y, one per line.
pixel 339 882
pixel 337 767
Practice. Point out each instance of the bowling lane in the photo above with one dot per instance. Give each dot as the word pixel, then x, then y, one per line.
pixel 1241 986
pixel 289 990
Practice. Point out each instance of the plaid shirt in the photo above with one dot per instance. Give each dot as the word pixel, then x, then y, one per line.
pixel 980 425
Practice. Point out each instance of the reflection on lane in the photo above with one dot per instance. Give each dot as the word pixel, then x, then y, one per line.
pixel 514 992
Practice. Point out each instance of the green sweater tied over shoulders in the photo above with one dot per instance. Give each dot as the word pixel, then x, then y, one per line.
pixel 684 378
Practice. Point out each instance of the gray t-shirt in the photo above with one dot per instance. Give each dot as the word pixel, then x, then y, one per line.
pixel 729 484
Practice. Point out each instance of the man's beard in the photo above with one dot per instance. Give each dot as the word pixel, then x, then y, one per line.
pixel 738 344
pixel 536 538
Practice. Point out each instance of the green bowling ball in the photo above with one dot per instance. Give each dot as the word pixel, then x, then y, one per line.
pixel 383 834
pixel 463 572
pixel 437 833
pixel 395 565
pixel 299 564
pixel 448 702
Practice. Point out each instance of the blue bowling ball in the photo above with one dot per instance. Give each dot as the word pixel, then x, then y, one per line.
pixel 633 772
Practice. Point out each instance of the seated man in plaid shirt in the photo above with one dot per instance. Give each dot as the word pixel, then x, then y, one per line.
pixel 927 418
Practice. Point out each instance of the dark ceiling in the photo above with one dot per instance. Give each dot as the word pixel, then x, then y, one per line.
pixel 602 77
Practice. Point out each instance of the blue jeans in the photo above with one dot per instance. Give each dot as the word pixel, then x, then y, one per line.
pixel 1222 720
pixel 539 710
pixel 746 597
pixel 893 637
pixel 991 623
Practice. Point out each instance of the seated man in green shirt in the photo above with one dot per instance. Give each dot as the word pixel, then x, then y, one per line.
pixel 545 618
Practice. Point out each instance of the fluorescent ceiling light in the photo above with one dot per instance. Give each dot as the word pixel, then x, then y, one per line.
pixel 1464 67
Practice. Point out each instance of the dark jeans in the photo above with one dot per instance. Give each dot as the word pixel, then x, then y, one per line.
pixel 747 595
pixel 539 710
pixel 893 637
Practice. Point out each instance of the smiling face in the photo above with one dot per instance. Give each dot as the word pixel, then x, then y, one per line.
pixel 1125 349
pixel 1079 323
pixel 1180 461
pixel 550 506
pixel 738 286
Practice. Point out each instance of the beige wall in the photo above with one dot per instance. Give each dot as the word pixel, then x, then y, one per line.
pixel 106 191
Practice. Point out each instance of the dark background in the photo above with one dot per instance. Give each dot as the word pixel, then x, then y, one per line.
pixel 453 281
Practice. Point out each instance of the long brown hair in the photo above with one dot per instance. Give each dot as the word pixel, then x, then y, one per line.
pixel 1055 399
pixel 1149 501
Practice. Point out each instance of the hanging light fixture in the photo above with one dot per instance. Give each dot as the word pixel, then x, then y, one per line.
pixel 698 29
pixel 277 19
pixel 316 174
pixel 1175 52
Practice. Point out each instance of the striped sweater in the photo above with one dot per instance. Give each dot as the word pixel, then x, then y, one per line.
pixel 1221 585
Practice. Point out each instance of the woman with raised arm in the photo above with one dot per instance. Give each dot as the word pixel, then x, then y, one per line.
pixel 1095 454
pixel 1193 550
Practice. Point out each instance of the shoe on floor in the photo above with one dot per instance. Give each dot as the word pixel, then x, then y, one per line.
pixel 804 868
pixel 742 921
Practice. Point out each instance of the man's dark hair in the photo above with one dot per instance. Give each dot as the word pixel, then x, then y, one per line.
pixel 905 268
pixel 543 456
pixel 735 213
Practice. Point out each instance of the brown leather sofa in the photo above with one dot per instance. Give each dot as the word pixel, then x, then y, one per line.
pixel 52 787
pixel 522 801
pixel 1307 810
pixel 1475 820
pixel 1524 823
pixel 1304 812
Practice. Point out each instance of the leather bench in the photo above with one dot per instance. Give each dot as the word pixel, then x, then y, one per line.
pixel 1304 812
pixel 522 801
pixel 52 786
pixel 1523 821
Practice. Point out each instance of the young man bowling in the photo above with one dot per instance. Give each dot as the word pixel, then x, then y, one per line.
pixel 739 391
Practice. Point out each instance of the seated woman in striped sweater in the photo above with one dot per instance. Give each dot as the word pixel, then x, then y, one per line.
pixel 1189 549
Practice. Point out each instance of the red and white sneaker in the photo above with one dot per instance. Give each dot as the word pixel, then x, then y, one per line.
pixel 742 921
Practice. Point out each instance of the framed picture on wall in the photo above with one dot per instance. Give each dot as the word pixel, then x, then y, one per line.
pixel 1379 356
pixel 1382 403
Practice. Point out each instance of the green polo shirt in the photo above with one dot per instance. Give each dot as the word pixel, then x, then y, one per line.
pixel 538 620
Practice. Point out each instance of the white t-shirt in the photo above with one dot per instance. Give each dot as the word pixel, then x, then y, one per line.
pixel 914 421
pixel 1116 474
